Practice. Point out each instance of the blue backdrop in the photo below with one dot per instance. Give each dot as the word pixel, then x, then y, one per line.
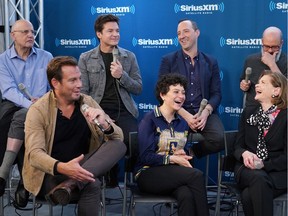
pixel 230 30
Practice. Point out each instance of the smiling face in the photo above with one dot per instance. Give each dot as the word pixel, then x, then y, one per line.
pixel 187 35
pixel 109 36
pixel 264 90
pixel 70 85
pixel 174 98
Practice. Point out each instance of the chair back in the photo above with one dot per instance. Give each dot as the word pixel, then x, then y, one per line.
pixel 131 158
pixel 228 161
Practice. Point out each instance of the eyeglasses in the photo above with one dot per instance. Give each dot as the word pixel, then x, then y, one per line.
pixel 266 47
pixel 26 32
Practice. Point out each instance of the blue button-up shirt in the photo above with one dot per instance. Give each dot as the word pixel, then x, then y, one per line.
pixel 31 72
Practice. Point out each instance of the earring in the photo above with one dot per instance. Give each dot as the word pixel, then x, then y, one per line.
pixel 273 96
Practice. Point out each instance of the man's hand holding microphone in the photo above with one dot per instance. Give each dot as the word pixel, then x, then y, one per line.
pixel 246 83
pixel 96 116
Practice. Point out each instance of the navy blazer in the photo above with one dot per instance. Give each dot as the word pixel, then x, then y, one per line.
pixel 276 142
pixel 209 74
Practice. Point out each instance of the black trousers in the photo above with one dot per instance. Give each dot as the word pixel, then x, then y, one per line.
pixel 185 184
pixel 213 134
pixel 258 192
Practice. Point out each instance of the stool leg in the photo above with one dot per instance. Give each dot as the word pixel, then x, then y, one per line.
pixel 1 206
pixel 207 170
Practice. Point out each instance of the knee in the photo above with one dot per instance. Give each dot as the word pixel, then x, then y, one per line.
pixel 92 188
pixel 196 175
pixel 262 179
pixel 117 146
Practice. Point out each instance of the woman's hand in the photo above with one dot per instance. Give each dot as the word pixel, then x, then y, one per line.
pixel 249 159
pixel 182 160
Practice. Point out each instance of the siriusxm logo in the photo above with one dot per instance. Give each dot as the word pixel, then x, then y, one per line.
pixel 229 110
pixel 78 43
pixel 155 43
pixel 114 10
pixel 144 106
pixel 199 8
pixel 237 43
pixel 278 6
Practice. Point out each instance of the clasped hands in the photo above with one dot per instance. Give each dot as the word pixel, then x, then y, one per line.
pixel 179 157
pixel 251 160
pixel 198 122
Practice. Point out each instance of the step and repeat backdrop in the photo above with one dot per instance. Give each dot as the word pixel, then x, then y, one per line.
pixel 230 30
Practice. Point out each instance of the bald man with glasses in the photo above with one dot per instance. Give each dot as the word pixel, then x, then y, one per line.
pixel 26 65
pixel 271 58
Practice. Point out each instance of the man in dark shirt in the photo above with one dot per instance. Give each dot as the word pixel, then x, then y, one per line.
pixel 59 131
pixel 111 75
pixel 271 58
pixel 202 73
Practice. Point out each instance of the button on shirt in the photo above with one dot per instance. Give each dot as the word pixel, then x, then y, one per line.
pixel 31 72
pixel 193 92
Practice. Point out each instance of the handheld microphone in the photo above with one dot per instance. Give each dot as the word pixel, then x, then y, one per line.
pixel 248 72
pixel 202 106
pixel 24 90
pixel 181 144
pixel 115 53
pixel 84 108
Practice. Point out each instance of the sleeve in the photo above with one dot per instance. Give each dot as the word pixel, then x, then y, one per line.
pixel 9 88
pixel 36 143
pixel 239 146
pixel 84 75
pixel 164 67
pixel 131 78
pixel 279 162
pixel 147 140
pixel 215 95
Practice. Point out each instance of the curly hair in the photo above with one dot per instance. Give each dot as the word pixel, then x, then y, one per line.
pixel 165 81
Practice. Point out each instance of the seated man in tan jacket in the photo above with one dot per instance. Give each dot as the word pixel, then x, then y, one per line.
pixel 68 145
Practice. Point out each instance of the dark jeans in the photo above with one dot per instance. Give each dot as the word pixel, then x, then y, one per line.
pixel 127 123
pixel 185 184
pixel 97 162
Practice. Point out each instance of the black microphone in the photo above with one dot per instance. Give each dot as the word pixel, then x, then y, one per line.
pixel 181 144
pixel 248 72
pixel 115 53
pixel 202 106
pixel 24 90
pixel 84 108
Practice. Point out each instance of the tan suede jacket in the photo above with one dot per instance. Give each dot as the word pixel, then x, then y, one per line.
pixel 39 135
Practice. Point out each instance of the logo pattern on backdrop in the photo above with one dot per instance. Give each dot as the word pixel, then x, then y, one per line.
pixel 199 9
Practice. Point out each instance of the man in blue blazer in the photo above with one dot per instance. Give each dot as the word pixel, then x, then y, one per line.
pixel 203 77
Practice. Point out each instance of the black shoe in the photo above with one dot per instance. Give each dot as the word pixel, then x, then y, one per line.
pixel 62 193
pixel 21 196
pixel 2 186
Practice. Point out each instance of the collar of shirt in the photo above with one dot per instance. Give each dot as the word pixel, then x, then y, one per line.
pixel 188 57
pixel 158 113
pixel 13 53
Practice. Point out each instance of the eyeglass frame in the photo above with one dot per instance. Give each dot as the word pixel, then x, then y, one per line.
pixel 26 32
pixel 274 48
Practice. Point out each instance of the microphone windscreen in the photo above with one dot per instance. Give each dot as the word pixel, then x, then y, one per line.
pixel 248 72
pixel 84 107
pixel 115 53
